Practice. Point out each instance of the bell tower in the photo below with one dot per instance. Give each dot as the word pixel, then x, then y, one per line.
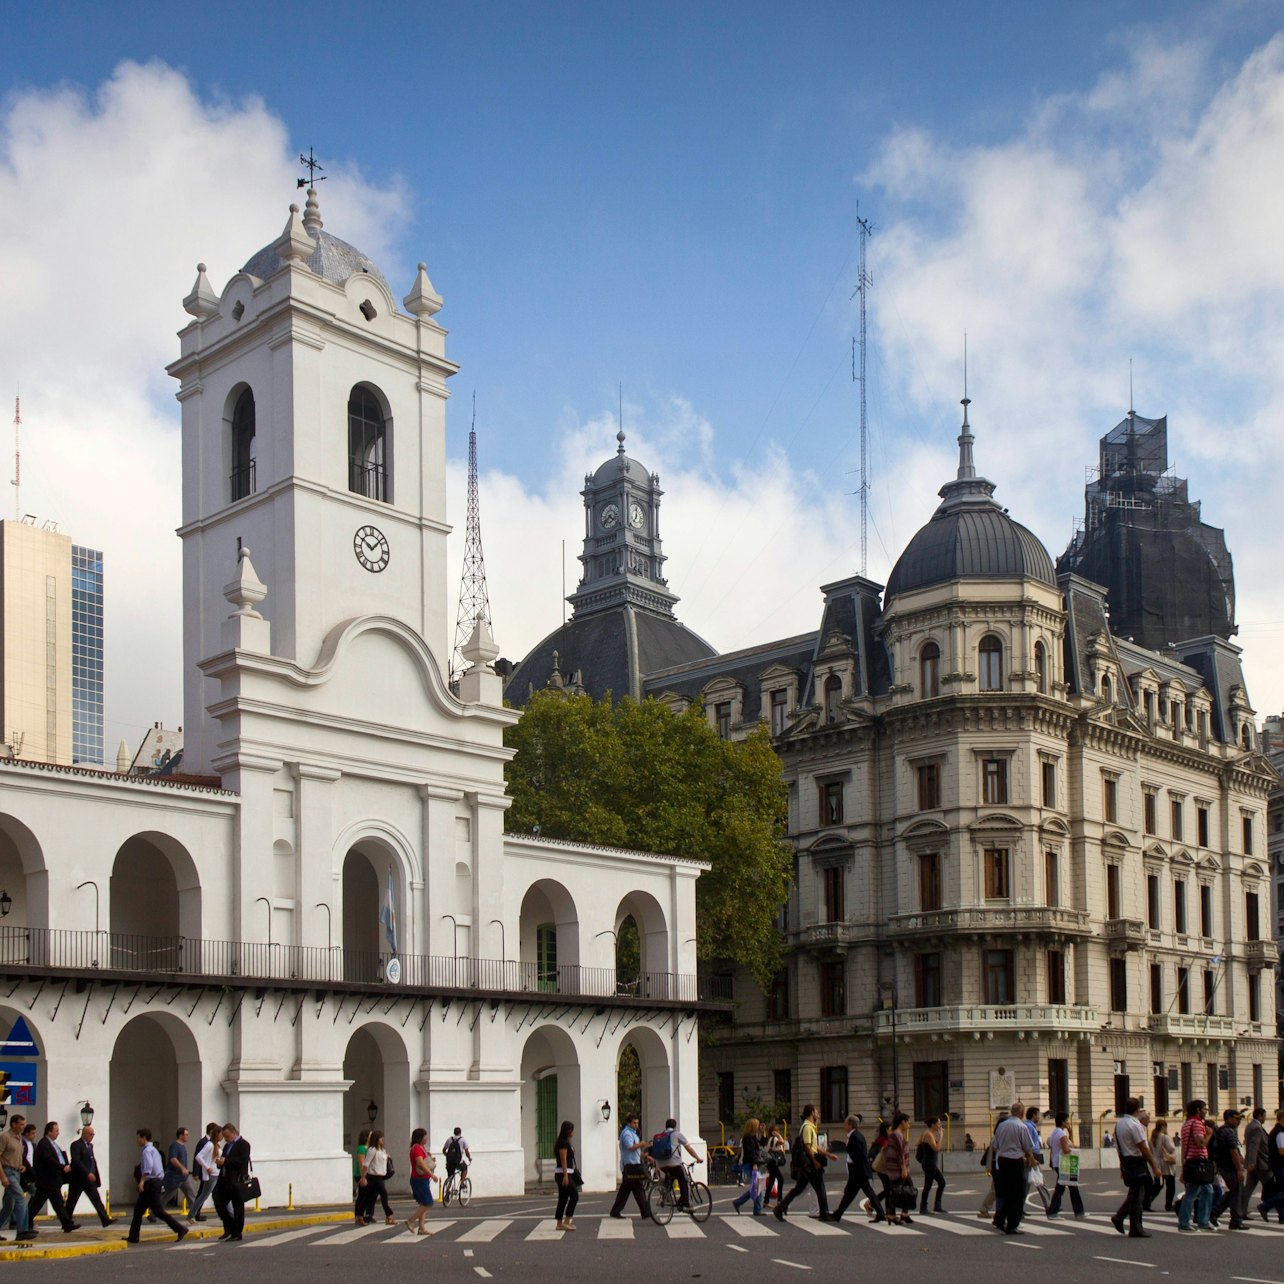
pixel 313 435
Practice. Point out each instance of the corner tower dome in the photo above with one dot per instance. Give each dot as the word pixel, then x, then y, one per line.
pixel 970 536
pixel 333 260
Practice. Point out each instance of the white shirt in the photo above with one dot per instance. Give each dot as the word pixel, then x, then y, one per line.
pixel 205 1164
pixel 1054 1145
pixel 377 1162
pixel 149 1163
pixel 1129 1134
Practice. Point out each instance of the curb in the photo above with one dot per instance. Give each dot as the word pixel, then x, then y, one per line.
pixel 38 1252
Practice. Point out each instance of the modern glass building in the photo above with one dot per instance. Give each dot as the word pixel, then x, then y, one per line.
pixel 86 655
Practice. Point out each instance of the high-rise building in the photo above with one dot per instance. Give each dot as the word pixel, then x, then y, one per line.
pixel 86 654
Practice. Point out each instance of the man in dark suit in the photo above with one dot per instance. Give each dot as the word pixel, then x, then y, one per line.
pixel 52 1169
pixel 85 1178
pixel 229 1193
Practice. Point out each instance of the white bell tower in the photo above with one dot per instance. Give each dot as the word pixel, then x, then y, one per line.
pixel 313 434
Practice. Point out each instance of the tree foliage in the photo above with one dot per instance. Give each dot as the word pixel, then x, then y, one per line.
pixel 639 775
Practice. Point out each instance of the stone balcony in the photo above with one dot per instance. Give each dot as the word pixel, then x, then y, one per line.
pixel 1191 1025
pixel 1260 954
pixel 984 1021
pixel 821 936
pixel 1131 933
pixel 1042 920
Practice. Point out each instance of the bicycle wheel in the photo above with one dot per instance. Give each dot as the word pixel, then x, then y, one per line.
pixel 465 1192
pixel 447 1191
pixel 701 1202
pixel 660 1202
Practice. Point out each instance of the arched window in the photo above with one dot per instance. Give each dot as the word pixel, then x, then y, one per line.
pixel 369 456
pixel 243 480
pixel 929 671
pixel 991 663
pixel 833 694
pixel 1040 668
pixel 1107 692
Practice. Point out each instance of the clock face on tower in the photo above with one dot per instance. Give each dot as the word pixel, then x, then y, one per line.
pixel 636 515
pixel 610 516
pixel 370 545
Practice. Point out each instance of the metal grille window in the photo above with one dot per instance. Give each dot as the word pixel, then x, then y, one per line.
pixel 369 457
pixel 243 452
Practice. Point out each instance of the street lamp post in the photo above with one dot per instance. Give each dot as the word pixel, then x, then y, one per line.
pixel 329 935
pixel 890 988
pixel 89 882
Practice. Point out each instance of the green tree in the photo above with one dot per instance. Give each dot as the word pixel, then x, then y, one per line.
pixel 639 775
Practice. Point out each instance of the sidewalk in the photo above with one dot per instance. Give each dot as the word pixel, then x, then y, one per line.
pixel 92 1238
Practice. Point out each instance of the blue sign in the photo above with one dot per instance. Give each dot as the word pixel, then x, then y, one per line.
pixel 19 1042
pixel 22 1082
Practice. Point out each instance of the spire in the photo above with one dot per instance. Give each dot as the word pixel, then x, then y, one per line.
pixel 202 302
pixel 967 469
pixel 474 603
pixel 312 212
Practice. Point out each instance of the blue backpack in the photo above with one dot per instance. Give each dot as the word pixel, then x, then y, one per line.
pixel 662 1145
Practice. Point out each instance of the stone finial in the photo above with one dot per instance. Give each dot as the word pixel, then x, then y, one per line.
pixel 245 629
pixel 480 649
pixel 312 212
pixel 480 684
pixel 619 436
pixel 202 303
pixel 294 244
pixel 123 758
pixel 422 301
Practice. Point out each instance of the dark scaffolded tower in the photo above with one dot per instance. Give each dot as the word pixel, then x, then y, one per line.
pixel 474 603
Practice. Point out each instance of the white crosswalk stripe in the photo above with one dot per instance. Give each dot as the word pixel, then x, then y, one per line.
pixel 406 1238
pixel 615 1228
pixel 546 1230
pixel 814 1226
pixel 286 1237
pixel 684 1228
pixel 348 1236
pixel 485 1231
pixel 748 1227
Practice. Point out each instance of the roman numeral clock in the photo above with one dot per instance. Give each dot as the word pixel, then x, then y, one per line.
pixel 370 545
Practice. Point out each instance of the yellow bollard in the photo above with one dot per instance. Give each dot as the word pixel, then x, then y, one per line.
pixel 183 1205
pixel 107 1200
pixel 289 1208
pixel 256 1205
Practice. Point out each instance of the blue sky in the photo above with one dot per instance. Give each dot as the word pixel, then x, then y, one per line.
pixel 664 197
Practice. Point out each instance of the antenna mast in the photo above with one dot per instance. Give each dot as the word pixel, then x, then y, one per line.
pixel 474 603
pixel 17 458
pixel 863 282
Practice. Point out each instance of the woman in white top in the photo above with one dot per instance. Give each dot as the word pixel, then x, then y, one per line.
pixel 374 1178
pixel 1059 1146
pixel 1161 1146
pixel 205 1163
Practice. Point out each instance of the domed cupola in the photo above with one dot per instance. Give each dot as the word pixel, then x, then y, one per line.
pixel 970 536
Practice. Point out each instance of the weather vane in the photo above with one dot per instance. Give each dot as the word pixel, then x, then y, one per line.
pixel 309 162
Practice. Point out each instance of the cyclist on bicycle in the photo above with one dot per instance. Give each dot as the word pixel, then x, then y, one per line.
pixel 456 1154
pixel 666 1152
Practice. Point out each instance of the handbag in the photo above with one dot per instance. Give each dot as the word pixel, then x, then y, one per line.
pixel 392 1172
pixel 576 1178
pixel 1133 1168
pixel 250 1188
pixel 880 1161
pixel 1197 1172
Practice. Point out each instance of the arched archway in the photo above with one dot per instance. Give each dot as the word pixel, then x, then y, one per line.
pixel 550 1094
pixel 373 922
pixel 154 1081
pixel 154 899
pixel 550 939
pixel 24 877
pixel 377 1064
pixel 643 971
pixel 643 1048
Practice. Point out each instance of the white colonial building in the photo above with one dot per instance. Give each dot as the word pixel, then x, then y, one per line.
pixel 321 919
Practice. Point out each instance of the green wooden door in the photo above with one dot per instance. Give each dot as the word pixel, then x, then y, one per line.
pixel 546 1117
pixel 546 957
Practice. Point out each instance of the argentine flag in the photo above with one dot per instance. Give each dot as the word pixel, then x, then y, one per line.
pixel 388 915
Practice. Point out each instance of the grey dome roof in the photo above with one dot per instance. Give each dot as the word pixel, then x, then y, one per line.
pixel 618 465
pixel 333 260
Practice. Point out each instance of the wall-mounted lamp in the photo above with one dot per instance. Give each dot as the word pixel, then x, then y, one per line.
pixel 86 1115
pixel 605 1107
pixel 6 904
pixel 372 1112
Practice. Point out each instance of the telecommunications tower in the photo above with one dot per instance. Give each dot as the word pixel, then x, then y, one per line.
pixel 863 282
pixel 474 604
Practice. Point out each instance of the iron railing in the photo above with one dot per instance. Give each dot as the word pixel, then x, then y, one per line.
pixel 87 952
pixel 243 481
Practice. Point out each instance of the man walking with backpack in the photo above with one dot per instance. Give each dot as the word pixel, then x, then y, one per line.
pixel 666 1150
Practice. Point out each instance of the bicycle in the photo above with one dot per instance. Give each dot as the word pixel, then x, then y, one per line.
pixel 457 1186
pixel 663 1194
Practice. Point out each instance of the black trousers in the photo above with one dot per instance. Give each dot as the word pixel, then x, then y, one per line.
pixel 74 1192
pixel 568 1195
pixel 151 1199
pixel 1229 1198
pixel 51 1195
pixel 1009 1186
pixel 229 1204
pixel 630 1185
pixel 932 1174
pixel 857 1184
pixel 1134 1201
pixel 816 1180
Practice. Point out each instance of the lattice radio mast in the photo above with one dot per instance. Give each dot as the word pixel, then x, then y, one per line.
pixel 474 603
pixel 863 283
pixel 17 458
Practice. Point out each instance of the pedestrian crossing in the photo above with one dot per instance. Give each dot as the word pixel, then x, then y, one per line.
pixel 728 1227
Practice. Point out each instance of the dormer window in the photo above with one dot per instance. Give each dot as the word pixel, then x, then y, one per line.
pixel 929 671
pixel 990 657
pixel 369 453
pixel 243 480
pixel 833 694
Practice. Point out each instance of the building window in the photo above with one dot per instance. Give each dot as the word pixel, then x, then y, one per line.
pixel 1050 784
pixel 1210 992
pixel 1051 878
pixel 782 1082
pixel 1179 906
pixel 1205 909
pixel 998 885
pixel 990 657
pixel 931 1089
pixel 243 449
pixel 1247 826
pixel 831 802
pixel 832 882
pixel 927 980
pixel 1112 800
pixel 546 957
pixel 1254 996
pixel 929 881
pixel 1058 1085
pixel 1183 989
pixel 722 719
pixel 778 997
pixel 1112 890
pixel 726 1096
pixel 929 786
pixel 1119 985
pixel 1000 986
pixel 833 694
pixel 929 670
pixel 1056 978
pixel 994 781
pixel 1150 810
pixel 833 1092
pixel 833 988
pixel 1252 922
pixel 1175 811
pixel 1156 987
pixel 779 704
pixel 369 453
pixel 1161 1087
pixel 1201 818
pixel 1107 691
pixel 1040 668
pixel 1152 902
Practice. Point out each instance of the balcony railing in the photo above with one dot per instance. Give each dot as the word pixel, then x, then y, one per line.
pixel 984 1018
pixel 1131 933
pixel 1050 919
pixel 198 959
pixel 1192 1025
pixel 829 934
pixel 1260 954
pixel 243 481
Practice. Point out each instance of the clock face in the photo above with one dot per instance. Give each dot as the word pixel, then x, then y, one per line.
pixel 636 515
pixel 609 516
pixel 370 545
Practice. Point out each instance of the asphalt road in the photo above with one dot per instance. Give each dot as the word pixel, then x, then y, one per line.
pixel 514 1239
